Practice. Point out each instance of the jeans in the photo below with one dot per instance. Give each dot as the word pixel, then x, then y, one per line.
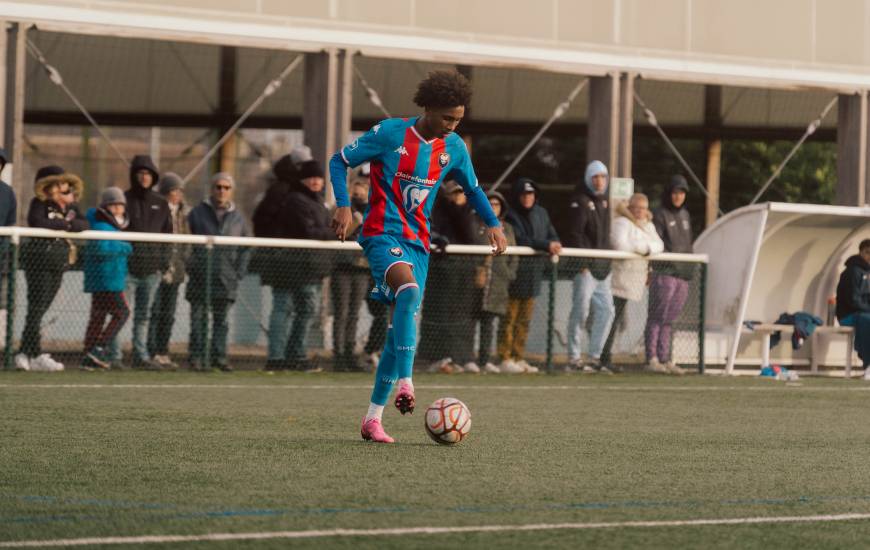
pixel 861 323
pixel 378 331
pixel 589 295
pixel 487 328
pixel 667 296
pixel 304 300
pixel 199 330
pixel 105 304
pixel 142 289
pixel 162 318
pixel 619 305
pixel 348 288
pixel 42 287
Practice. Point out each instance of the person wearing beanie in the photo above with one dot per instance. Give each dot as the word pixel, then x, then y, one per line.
pixel 669 285
pixel 592 293
pixel 296 279
pixel 216 216
pixel 148 212
pixel 166 298
pixel 45 260
pixel 105 270
pixel 532 227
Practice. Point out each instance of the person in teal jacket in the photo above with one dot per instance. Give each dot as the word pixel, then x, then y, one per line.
pixel 105 278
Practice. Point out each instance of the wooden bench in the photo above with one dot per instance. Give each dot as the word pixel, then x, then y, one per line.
pixel 765 330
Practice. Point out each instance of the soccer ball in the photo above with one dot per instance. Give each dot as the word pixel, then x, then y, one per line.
pixel 448 421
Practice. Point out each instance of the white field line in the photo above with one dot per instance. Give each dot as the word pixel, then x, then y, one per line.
pixel 773 387
pixel 311 534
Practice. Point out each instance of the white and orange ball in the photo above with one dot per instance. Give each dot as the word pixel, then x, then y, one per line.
pixel 448 421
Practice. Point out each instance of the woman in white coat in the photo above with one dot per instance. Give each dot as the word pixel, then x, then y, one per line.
pixel 632 231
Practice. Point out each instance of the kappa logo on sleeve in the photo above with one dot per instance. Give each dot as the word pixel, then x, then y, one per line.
pixel 396 251
pixel 376 128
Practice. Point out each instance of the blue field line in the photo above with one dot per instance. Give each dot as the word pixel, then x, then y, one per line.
pixel 272 512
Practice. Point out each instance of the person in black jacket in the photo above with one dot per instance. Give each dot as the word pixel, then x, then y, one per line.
pixel 298 275
pixel 533 228
pixel 148 212
pixel 590 228
pixel 853 301
pixel 8 215
pixel 45 260
pixel 669 287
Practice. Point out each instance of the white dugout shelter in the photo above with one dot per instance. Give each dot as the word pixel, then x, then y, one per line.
pixel 774 258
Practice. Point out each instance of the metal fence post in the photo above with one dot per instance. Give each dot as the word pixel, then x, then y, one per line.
pixel 11 276
pixel 551 310
pixel 701 317
pixel 206 334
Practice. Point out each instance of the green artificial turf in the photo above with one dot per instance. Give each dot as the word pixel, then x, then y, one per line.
pixel 250 452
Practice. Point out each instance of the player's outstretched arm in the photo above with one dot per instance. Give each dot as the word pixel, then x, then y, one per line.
pixel 497 240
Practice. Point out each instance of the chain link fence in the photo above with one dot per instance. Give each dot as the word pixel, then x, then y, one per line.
pixel 117 300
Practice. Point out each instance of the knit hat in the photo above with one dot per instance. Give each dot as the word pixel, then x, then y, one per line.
pixel 284 169
pixel 594 168
pixel 50 170
pixel 225 176
pixel 112 195
pixel 310 169
pixel 169 182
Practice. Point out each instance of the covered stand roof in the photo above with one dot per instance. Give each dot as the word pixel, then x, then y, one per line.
pixel 772 258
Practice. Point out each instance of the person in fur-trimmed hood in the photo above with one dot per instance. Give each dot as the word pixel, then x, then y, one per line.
pixel 44 260
pixel 632 231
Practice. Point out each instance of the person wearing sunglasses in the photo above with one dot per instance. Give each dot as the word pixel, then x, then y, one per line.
pixel 218 216
pixel 45 260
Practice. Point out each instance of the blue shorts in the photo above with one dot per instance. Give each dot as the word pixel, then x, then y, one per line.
pixel 385 251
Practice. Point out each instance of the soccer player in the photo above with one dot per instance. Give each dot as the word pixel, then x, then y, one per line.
pixel 409 157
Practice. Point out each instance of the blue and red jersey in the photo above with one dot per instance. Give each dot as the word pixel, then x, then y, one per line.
pixel 406 171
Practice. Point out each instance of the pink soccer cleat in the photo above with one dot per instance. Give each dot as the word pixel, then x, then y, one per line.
pixel 405 398
pixel 372 430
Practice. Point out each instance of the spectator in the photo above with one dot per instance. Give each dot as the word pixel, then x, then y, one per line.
pixel 632 231
pixel 105 273
pixel 299 276
pixel 8 216
pixel 444 327
pixel 590 228
pixel 45 260
pixel 492 280
pixel 165 299
pixel 148 212
pixel 217 216
pixel 669 287
pixel 532 227
pixel 349 284
pixel 853 301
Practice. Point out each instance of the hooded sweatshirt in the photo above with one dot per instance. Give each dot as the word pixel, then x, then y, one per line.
pixel 533 228
pixel 674 226
pixel 499 271
pixel 105 264
pixel 148 212
pixel 590 221
pixel 853 290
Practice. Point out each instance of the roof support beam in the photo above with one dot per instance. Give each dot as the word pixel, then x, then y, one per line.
pixel 852 153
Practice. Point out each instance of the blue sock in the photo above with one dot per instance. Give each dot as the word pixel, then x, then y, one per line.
pixel 404 328
pixel 385 375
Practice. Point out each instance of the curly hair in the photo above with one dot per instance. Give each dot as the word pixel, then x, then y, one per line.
pixel 443 89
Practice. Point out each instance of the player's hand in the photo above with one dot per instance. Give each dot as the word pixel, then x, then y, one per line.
pixel 341 221
pixel 554 248
pixel 497 240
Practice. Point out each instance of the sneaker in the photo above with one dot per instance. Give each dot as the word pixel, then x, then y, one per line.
pixel 89 363
pixel 372 360
pixel 146 364
pixel 672 368
pixel 471 367
pixel 655 366
pixel 489 368
pixel 22 361
pixel 96 357
pixel 605 370
pixel 442 365
pixel 526 367
pixel 165 362
pixel 45 363
pixel 456 368
pixel 866 371
pixel 405 400
pixel 588 369
pixel 510 367
pixel 224 366
pixel 372 430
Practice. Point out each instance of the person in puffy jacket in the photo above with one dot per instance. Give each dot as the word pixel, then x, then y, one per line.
pixel 105 268
pixel 853 301
pixel 45 260
pixel 631 231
